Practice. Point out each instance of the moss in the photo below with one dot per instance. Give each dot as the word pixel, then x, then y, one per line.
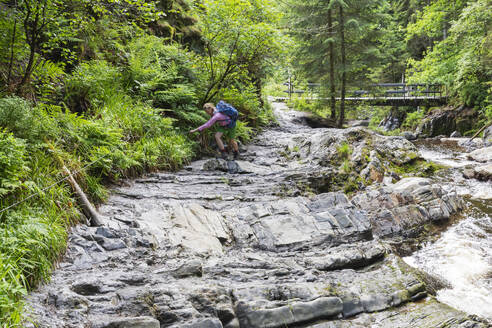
pixel 416 167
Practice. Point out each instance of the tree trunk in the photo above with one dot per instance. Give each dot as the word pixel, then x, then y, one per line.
pixel 332 71
pixel 257 84
pixel 12 45
pixel 341 118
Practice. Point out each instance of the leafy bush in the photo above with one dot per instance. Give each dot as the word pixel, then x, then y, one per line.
pixel 164 74
pixel 17 116
pixel 246 101
pixel 413 119
pixel 91 84
pixel 12 162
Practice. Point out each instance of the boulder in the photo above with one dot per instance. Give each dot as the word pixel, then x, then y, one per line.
pixel 403 208
pixel 439 122
pixel 409 135
pixel 188 269
pixel 481 155
pixel 455 134
pixel 483 172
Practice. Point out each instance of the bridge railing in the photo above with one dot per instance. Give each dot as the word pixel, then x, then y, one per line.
pixel 400 90
pixel 382 90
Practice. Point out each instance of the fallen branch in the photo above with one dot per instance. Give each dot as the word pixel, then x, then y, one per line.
pixel 480 131
pixel 88 209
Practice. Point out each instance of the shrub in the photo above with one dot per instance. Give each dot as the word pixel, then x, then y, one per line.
pixel 91 84
pixel 344 150
pixel 164 75
pixel 12 161
pixel 413 119
pixel 17 116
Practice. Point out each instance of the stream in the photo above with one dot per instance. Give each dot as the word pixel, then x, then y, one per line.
pixel 462 256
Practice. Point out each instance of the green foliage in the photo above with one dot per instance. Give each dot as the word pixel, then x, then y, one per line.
pixel 91 84
pixel 413 119
pixel 12 162
pixel 17 116
pixel 240 41
pixel 164 74
pixel 462 60
pixel 344 151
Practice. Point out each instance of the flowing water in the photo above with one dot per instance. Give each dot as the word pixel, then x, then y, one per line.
pixel 462 256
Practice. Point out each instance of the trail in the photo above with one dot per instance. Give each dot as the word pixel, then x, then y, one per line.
pixel 274 245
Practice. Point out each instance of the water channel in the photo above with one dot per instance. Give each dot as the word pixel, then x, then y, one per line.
pixel 462 256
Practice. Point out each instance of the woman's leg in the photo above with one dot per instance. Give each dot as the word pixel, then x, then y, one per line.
pixel 234 145
pixel 218 139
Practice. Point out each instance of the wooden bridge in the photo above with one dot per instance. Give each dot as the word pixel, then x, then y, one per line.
pixel 384 94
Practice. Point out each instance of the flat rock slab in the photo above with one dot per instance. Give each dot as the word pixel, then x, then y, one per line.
pixel 139 322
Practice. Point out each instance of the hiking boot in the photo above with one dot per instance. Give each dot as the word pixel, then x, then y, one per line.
pixel 223 154
pixel 236 155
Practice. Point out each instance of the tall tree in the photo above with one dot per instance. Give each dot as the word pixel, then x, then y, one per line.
pixel 240 37
pixel 341 28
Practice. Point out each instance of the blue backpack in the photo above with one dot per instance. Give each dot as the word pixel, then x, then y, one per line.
pixel 226 109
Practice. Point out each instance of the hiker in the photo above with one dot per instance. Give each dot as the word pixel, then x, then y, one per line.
pixel 226 116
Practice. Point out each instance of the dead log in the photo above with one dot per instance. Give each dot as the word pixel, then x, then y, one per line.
pixel 480 131
pixel 87 208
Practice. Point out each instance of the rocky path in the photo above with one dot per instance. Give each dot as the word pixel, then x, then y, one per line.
pixel 276 244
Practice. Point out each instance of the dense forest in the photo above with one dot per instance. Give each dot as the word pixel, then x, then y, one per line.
pixel 109 89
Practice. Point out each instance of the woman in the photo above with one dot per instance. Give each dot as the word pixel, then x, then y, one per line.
pixel 224 129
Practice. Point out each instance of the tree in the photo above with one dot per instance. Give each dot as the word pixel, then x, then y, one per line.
pixel 462 60
pixel 349 44
pixel 240 37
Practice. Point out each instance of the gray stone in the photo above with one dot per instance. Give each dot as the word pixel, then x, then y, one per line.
pixel 294 313
pixel 352 306
pixel 487 136
pixel 188 269
pixel 323 307
pixel 113 244
pixel 481 155
pixel 409 135
pixel 373 303
pixel 207 323
pixel 135 322
pixel 455 134
pixel 483 172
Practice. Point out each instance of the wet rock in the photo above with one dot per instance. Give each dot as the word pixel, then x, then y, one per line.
pixel 215 165
pixel 483 172
pixel 455 134
pixel 136 322
pixel 87 288
pixel 112 245
pixel 403 208
pixel 487 136
pixel 207 323
pixel 295 313
pixel 481 155
pixel 444 121
pixel 317 122
pixel 189 269
pixel 409 135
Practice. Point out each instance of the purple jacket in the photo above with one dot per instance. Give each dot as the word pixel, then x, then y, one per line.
pixel 222 119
